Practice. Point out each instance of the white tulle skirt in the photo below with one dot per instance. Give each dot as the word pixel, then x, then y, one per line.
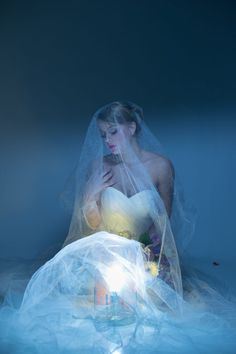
pixel 97 296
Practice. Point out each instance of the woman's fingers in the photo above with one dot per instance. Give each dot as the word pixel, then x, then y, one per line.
pixel 108 179
pixel 98 185
pixel 107 176
pixel 109 184
pixel 106 173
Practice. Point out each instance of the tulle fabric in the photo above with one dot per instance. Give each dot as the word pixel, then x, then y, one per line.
pixel 65 309
pixel 165 238
pixel 133 178
pixel 116 285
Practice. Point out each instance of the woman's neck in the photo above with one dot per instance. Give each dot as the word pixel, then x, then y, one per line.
pixel 132 152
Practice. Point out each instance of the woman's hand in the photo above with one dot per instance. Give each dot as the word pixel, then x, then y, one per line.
pixel 97 183
pixel 94 186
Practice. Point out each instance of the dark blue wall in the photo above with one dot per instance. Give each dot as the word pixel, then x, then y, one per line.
pixel 60 61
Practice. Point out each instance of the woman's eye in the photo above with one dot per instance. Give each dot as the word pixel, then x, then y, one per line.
pixel 114 131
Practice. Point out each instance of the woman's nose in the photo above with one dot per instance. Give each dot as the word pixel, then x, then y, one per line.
pixel 107 140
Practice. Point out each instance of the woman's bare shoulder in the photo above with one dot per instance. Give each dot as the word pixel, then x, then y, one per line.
pixel 159 163
pixel 154 157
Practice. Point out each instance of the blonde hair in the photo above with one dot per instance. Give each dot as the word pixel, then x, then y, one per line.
pixel 122 112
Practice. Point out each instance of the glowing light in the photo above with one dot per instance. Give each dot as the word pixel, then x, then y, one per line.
pixel 115 278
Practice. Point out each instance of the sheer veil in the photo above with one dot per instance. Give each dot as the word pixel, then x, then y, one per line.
pixel 131 178
pixel 183 214
pixel 115 286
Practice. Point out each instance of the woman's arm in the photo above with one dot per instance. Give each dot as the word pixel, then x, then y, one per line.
pixel 92 214
pixel 90 204
pixel 96 183
pixel 165 183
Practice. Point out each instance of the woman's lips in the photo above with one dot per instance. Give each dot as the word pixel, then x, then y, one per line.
pixel 111 146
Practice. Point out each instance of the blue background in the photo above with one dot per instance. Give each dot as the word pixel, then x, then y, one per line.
pixel 60 61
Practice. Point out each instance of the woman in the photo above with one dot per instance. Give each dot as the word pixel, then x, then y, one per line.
pixel 116 285
pixel 130 168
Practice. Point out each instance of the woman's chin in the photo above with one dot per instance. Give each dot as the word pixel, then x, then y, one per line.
pixel 116 156
pixel 114 151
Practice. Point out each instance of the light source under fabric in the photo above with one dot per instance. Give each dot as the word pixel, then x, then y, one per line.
pixel 116 284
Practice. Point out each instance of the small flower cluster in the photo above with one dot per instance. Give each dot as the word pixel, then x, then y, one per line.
pixel 152 267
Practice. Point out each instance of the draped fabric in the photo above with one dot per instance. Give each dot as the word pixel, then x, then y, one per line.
pixel 116 285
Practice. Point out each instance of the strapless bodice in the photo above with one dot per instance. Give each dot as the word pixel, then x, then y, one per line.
pixel 127 216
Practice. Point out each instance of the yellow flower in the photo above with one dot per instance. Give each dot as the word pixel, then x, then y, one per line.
pixel 125 233
pixel 153 268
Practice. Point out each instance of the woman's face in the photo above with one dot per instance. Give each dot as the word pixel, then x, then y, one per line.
pixel 115 135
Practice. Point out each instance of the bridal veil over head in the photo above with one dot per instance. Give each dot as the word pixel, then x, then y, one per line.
pixel 91 159
pixel 131 191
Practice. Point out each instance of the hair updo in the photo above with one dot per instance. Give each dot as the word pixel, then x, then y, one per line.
pixel 121 112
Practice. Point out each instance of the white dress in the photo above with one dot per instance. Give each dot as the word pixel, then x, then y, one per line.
pixel 100 294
